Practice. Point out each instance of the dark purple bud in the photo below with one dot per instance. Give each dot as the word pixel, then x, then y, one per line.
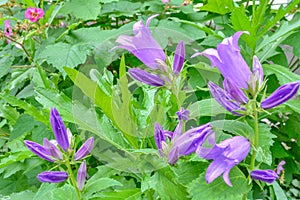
pixel 224 98
pixel 38 150
pixel 146 77
pixel 268 175
pixel 280 167
pixel 52 176
pixel 179 58
pixel 183 114
pixel 85 149
pixel 159 137
pixel 81 175
pixel 281 95
pixel 52 149
pixel 234 91
pixel 59 129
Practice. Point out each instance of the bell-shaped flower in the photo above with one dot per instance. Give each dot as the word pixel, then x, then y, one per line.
pixel 236 93
pixel 59 129
pixel 183 114
pixel 159 137
pixel 52 149
pixel 142 44
pixel 188 142
pixel 85 149
pixel 281 95
pixel 52 176
pixel 179 58
pixel 146 77
pixel 268 175
pixel 34 14
pixel 225 155
pixel 224 98
pixel 81 175
pixel 228 59
pixel 38 150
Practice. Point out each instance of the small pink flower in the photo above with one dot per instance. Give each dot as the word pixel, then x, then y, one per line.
pixel 165 1
pixel 7 29
pixel 34 14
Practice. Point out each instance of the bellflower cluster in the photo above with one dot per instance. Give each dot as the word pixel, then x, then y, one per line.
pixel 238 78
pixel 34 14
pixel 147 50
pixel 60 150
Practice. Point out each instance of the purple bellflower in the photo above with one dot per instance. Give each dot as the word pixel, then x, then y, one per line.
pixel 179 58
pixel 268 175
pixel 52 149
pixel 281 95
pixel 142 44
pixel 52 176
pixel 225 155
pixel 85 149
pixel 146 77
pixel 81 175
pixel 39 150
pixel 59 129
pixel 183 114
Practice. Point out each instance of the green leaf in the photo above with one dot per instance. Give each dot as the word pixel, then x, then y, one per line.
pixel 265 140
pixel 24 124
pixel 218 189
pixel 122 194
pixel 24 195
pixel 81 9
pixel 99 185
pixel 282 73
pixel 44 191
pixel 65 192
pixel 232 126
pixel 280 194
pixel 16 183
pixel 206 107
pixel 65 55
pixel 218 6
pixel 9 113
pixel 5 62
pixel 164 183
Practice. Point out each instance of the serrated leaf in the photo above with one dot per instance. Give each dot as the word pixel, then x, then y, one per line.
pixel 44 191
pixel 5 62
pixel 65 55
pixel 279 192
pixel 24 195
pixel 283 74
pixel 16 183
pixel 65 192
pixel 232 126
pixel 218 189
pixel 218 6
pixel 206 107
pixel 81 9
pixel 99 185
pixel 24 124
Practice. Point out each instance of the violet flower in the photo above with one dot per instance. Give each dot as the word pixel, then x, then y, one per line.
pixel 52 149
pixel 225 155
pixel 179 58
pixel 38 150
pixel 268 175
pixel 85 149
pixel 281 95
pixel 183 114
pixel 7 30
pixel 59 129
pixel 146 77
pixel 52 176
pixel 34 14
pixel 81 175
pixel 159 137
pixel 142 44
pixel 280 167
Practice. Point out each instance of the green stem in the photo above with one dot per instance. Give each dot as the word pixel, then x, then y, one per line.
pixel 74 183
pixel 255 141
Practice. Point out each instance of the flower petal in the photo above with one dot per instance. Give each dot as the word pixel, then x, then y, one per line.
pixel 38 150
pixel 85 149
pixel 179 58
pixel 146 77
pixel 52 176
pixel 81 175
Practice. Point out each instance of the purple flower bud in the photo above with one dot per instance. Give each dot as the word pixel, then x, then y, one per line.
pixel 38 150
pixel 280 95
pixel 234 91
pixel 280 167
pixel 268 175
pixel 59 129
pixel 81 175
pixel 224 98
pixel 188 142
pixel 183 114
pixel 179 58
pixel 85 149
pixel 142 44
pixel 226 155
pixel 52 176
pixel 159 137
pixel 52 149
pixel 146 77
pixel 258 71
